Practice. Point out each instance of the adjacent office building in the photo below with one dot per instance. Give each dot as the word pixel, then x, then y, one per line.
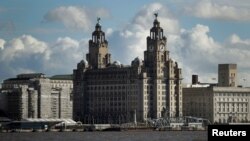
pixel 36 96
pixel 220 104
pixel 227 75
pixel 110 92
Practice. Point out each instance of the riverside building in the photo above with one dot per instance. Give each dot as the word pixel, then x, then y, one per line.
pixel 220 103
pixel 110 92
pixel 37 96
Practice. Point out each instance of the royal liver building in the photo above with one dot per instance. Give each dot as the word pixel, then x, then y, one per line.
pixel 109 92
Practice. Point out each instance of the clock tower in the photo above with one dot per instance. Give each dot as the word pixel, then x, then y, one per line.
pixel 149 88
pixel 156 54
pixel 163 76
pixel 98 56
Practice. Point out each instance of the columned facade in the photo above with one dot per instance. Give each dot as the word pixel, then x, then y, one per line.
pixel 36 96
pixel 110 92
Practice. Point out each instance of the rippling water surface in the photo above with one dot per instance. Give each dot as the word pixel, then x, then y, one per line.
pixel 107 136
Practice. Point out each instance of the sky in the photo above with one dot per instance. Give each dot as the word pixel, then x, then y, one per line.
pixel 51 37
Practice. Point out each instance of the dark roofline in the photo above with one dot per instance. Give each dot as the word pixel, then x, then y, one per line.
pixel 62 77
pixel 10 79
pixel 31 75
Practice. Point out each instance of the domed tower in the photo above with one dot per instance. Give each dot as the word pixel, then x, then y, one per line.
pixel 82 65
pixel 156 54
pixel 78 89
pixel 164 76
pixel 98 56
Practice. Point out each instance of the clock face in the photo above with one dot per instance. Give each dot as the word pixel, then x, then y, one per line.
pixel 162 47
pixel 151 48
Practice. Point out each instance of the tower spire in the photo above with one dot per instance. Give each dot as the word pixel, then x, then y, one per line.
pixel 98 20
pixel 156 22
pixel 156 15
pixel 98 56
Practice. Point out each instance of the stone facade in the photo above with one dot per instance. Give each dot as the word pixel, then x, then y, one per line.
pixel 36 96
pixel 106 92
pixel 227 75
pixel 218 104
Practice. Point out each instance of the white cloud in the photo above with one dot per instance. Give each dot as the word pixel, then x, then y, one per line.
pixel 101 12
pixel 198 37
pixel 144 18
pixel 24 53
pixel 2 42
pixel 222 11
pixel 44 31
pixel 65 53
pixel 66 43
pixel 238 50
pixel 71 17
pixel 235 39
pixel 198 53
pixel 28 54
pixel 130 42
pixel 109 31
pixel 22 47
pixel 194 49
pixel 75 17
pixel 238 3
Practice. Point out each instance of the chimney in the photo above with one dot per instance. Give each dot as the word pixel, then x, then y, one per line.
pixel 195 79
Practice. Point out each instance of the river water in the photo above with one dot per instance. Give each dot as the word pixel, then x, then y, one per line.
pixel 107 136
